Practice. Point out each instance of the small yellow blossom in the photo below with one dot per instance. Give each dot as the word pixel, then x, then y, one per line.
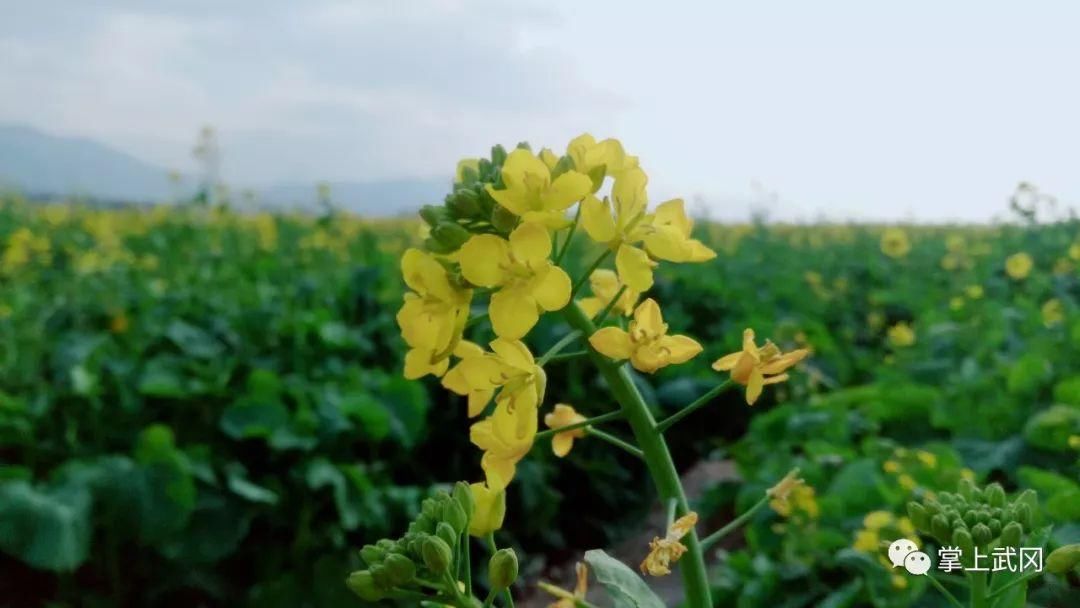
pixel 895 243
pixel 876 520
pixel 510 370
pixel 929 459
pixel 647 343
pixel 118 323
pixel 564 415
pixel 530 193
pixel 956 303
pixel 1053 312
pixel 901 335
pixel 1074 252
pixel 590 156
pixel 780 494
pixel 527 280
pixel 666 551
pixel 566 598
pixel 899 582
pixel 489 511
pixel 1074 442
pixel 605 285
pixel 1018 266
pixel 891 466
pixel 754 367
pixel 866 541
pixel 505 437
pixel 974 292
pixel 433 316
pixel 907 482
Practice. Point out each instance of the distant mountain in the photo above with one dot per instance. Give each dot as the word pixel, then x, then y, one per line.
pixel 41 164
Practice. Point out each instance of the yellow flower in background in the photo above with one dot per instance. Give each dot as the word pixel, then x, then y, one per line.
pixel 901 335
pixel 895 243
pixel 605 285
pixel 780 493
pixel 566 598
pixel 433 315
pixel 564 415
pixel 1074 442
pixel 509 370
pixel 666 551
pixel 907 482
pixel 647 343
pixel 1074 252
pixel 505 437
pixel 489 512
pixel 1053 312
pixel 956 303
pixel 527 280
pixel 530 193
pixel 622 223
pixel 974 292
pixel 898 582
pixel 866 541
pixel 1018 266
pixel 755 367
pixel 929 459
pixel 890 466
pixel 118 323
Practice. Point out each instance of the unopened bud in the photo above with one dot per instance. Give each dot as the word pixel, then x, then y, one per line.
pixel 433 214
pixel 980 533
pixel 503 219
pixel 940 528
pixel 1063 559
pixel 454 515
pixel 995 495
pixel 447 533
pixel 399 569
pixel 437 554
pixel 966 489
pixel 372 555
pixel 1011 535
pixel 918 516
pixel 503 569
pixel 464 497
pixel 962 539
pixel 995 527
pixel 363 584
pixel 450 235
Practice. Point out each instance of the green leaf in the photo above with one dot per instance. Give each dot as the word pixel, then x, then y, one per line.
pixel 238 483
pixel 193 341
pixel 47 528
pixel 373 418
pixel 246 419
pixel 623 585
pixel 162 377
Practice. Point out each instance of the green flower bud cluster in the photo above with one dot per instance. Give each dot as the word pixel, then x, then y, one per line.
pixel 468 209
pixel 427 551
pixel 974 518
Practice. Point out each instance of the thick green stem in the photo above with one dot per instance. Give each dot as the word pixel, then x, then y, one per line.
pixel 941 588
pixel 657 458
pixel 978 590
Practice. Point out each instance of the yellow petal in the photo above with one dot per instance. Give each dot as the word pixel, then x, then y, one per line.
pixel 418 364
pixel 568 188
pixel 530 242
pixel 784 361
pixel 648 317
pixel 562 443
pixel 673 213
pixel 549 158
pixel 628 193
pixel 466 349
pixel 612 342
pixel 591 306
pixel 514 353
pixel 478 400
pixel 597 220
pixel 515 201
pixel 635 267
pixel 649 358
pixel 482 258
pixel 499 471
pixel 666 243
pixel 754 386
pixel 699 252
pixel 513 313
pixel 489 511
pixel 551 288
pixel 681 348
pixel 521 163
pixel 726 362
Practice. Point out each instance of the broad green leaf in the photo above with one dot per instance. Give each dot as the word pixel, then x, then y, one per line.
pixel 624 587
pixel 246 419
pixel 47 528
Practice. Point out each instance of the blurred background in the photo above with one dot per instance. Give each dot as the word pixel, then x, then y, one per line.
pixel 204 206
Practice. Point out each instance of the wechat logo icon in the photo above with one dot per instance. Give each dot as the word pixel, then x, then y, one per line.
pixel 903 552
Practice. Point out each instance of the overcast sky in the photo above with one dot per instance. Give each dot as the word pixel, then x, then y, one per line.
pixel 928 110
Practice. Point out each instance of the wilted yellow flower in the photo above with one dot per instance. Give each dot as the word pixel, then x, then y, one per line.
pixel 489 511
pixel 527 280
pixel 895 243
pixel 647 344
pixel 1053 312
pixel 566 598
pixel 564 415
pixel 605 284
pixel 505 436
pixel 433 316
pixel 530 193
pixel 1019 265
pixel 901 335
pixel 509 370
pixel 666 551
pixel 624 223
pixel 754 367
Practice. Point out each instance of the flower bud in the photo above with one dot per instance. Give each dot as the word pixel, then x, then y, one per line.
pixel 971 518
pixel 381 576
pixel 450 235
pixel 502 569
pixel 503 219
pixel 962 538
pixel 932 507
pixel 361 583
pixel 400 569
pixel 982 516
pixel 372 555
pixel 446 532
pixel 453 514
pixel 465 203
pixel 1024 515
pixel 1011 535
pixel 490 510
pixel 1063 559
pixel 437 554
pixel 918 516
pixel 980 533
pixel 940 528
pixel 464 497
pixel 995 527
pixel 433 214
pixel 995 495
pixel 498 155
pixel 966 489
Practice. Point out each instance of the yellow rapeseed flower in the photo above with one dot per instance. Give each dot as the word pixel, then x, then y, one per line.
pixel 590 155
pixel 974 292
pixel 781 492
pixel 527 281
pixel 895 243
pixel 505 437
pixel 647 343
pixel 901 335
pixel 564 415
pixel 754 367
pixel 433 316
pixel 509 370
pixel 666 551
pixel 1074 252
pixel 929 459
pixel 118 323
pixel 605 284
pixel 530 193
pixel 1018 266
pixel 489 511
pixel 1053 312
pixel 566 598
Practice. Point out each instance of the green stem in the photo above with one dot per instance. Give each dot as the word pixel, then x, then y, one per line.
pixel 585 277
pixel 569 236
pixel 670 517
pixel 602 418
pixel 941 588
pixel 490 538
pixel 467 559
pixel 978 590
pixel 715 537
pixel 615 441
pixel 657 458
pixel 602 315
pixel 568 356
pixel 1023 579
pixel 475 320
pixel 558 346
pixel 490 598
pixel 703 400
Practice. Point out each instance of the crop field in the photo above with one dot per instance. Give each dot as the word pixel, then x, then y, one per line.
pixel 205 406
